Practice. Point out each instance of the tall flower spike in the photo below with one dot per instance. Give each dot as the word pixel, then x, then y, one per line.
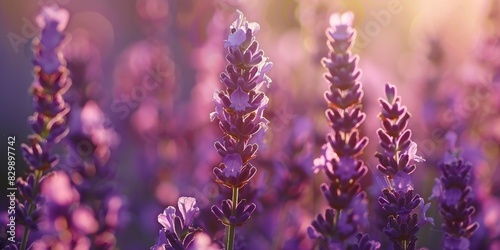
pixel 239 109
pixel 49 120
pixel 454 193
pixel 339 159
pixel 396 159
pixel 97 200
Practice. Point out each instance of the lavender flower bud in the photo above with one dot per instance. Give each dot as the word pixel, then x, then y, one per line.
pixel 241 214
pixel 231 173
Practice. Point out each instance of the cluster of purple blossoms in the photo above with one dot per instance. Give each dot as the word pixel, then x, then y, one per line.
pixel 339 159
pixel 49 120
pixel 177 232
pixel 399 200
pixel 454 192
pixel 239 109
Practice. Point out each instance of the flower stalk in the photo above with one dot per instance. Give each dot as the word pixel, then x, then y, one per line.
pixel 230 238
pixel 397 158
pixel 339 160
pixel 453 190
pixel 239 109
pixel 49 120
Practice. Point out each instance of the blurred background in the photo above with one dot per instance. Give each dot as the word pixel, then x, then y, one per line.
pixel 151 66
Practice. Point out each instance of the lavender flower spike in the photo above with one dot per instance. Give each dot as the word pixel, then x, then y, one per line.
pixel 177 232
pixel 239 109
pixel 339 160
pixel 396 160
pixel 93 214
pixel 454 193
pixel 49 120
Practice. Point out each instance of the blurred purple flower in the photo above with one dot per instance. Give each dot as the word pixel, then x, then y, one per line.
pixel 454 192
pixel 86 200
pixel 53 17
pixel 53 21
pixel 341 26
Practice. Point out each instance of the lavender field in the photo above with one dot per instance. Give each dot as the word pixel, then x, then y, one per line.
pixel 237 124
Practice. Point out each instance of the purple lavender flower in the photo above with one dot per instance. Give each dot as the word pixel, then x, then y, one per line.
pixel 339 159
pixel 399 200
pixel 82 211
pixel 177 232
pixel 454 192
pixel 239 109
pixel 49 120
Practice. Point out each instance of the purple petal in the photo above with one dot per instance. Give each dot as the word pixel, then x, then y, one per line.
pixel 236 39
pixel 412 153
pixel 233 164
pixel 239 100
pixel 264 67
pixel 423 210
pixel 218 107
pixel 187 208
pixel 166 219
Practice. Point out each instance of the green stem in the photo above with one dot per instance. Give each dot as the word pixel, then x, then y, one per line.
pixel 32 206
pixel 26 234
pixel 230 236
pixel 336 218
